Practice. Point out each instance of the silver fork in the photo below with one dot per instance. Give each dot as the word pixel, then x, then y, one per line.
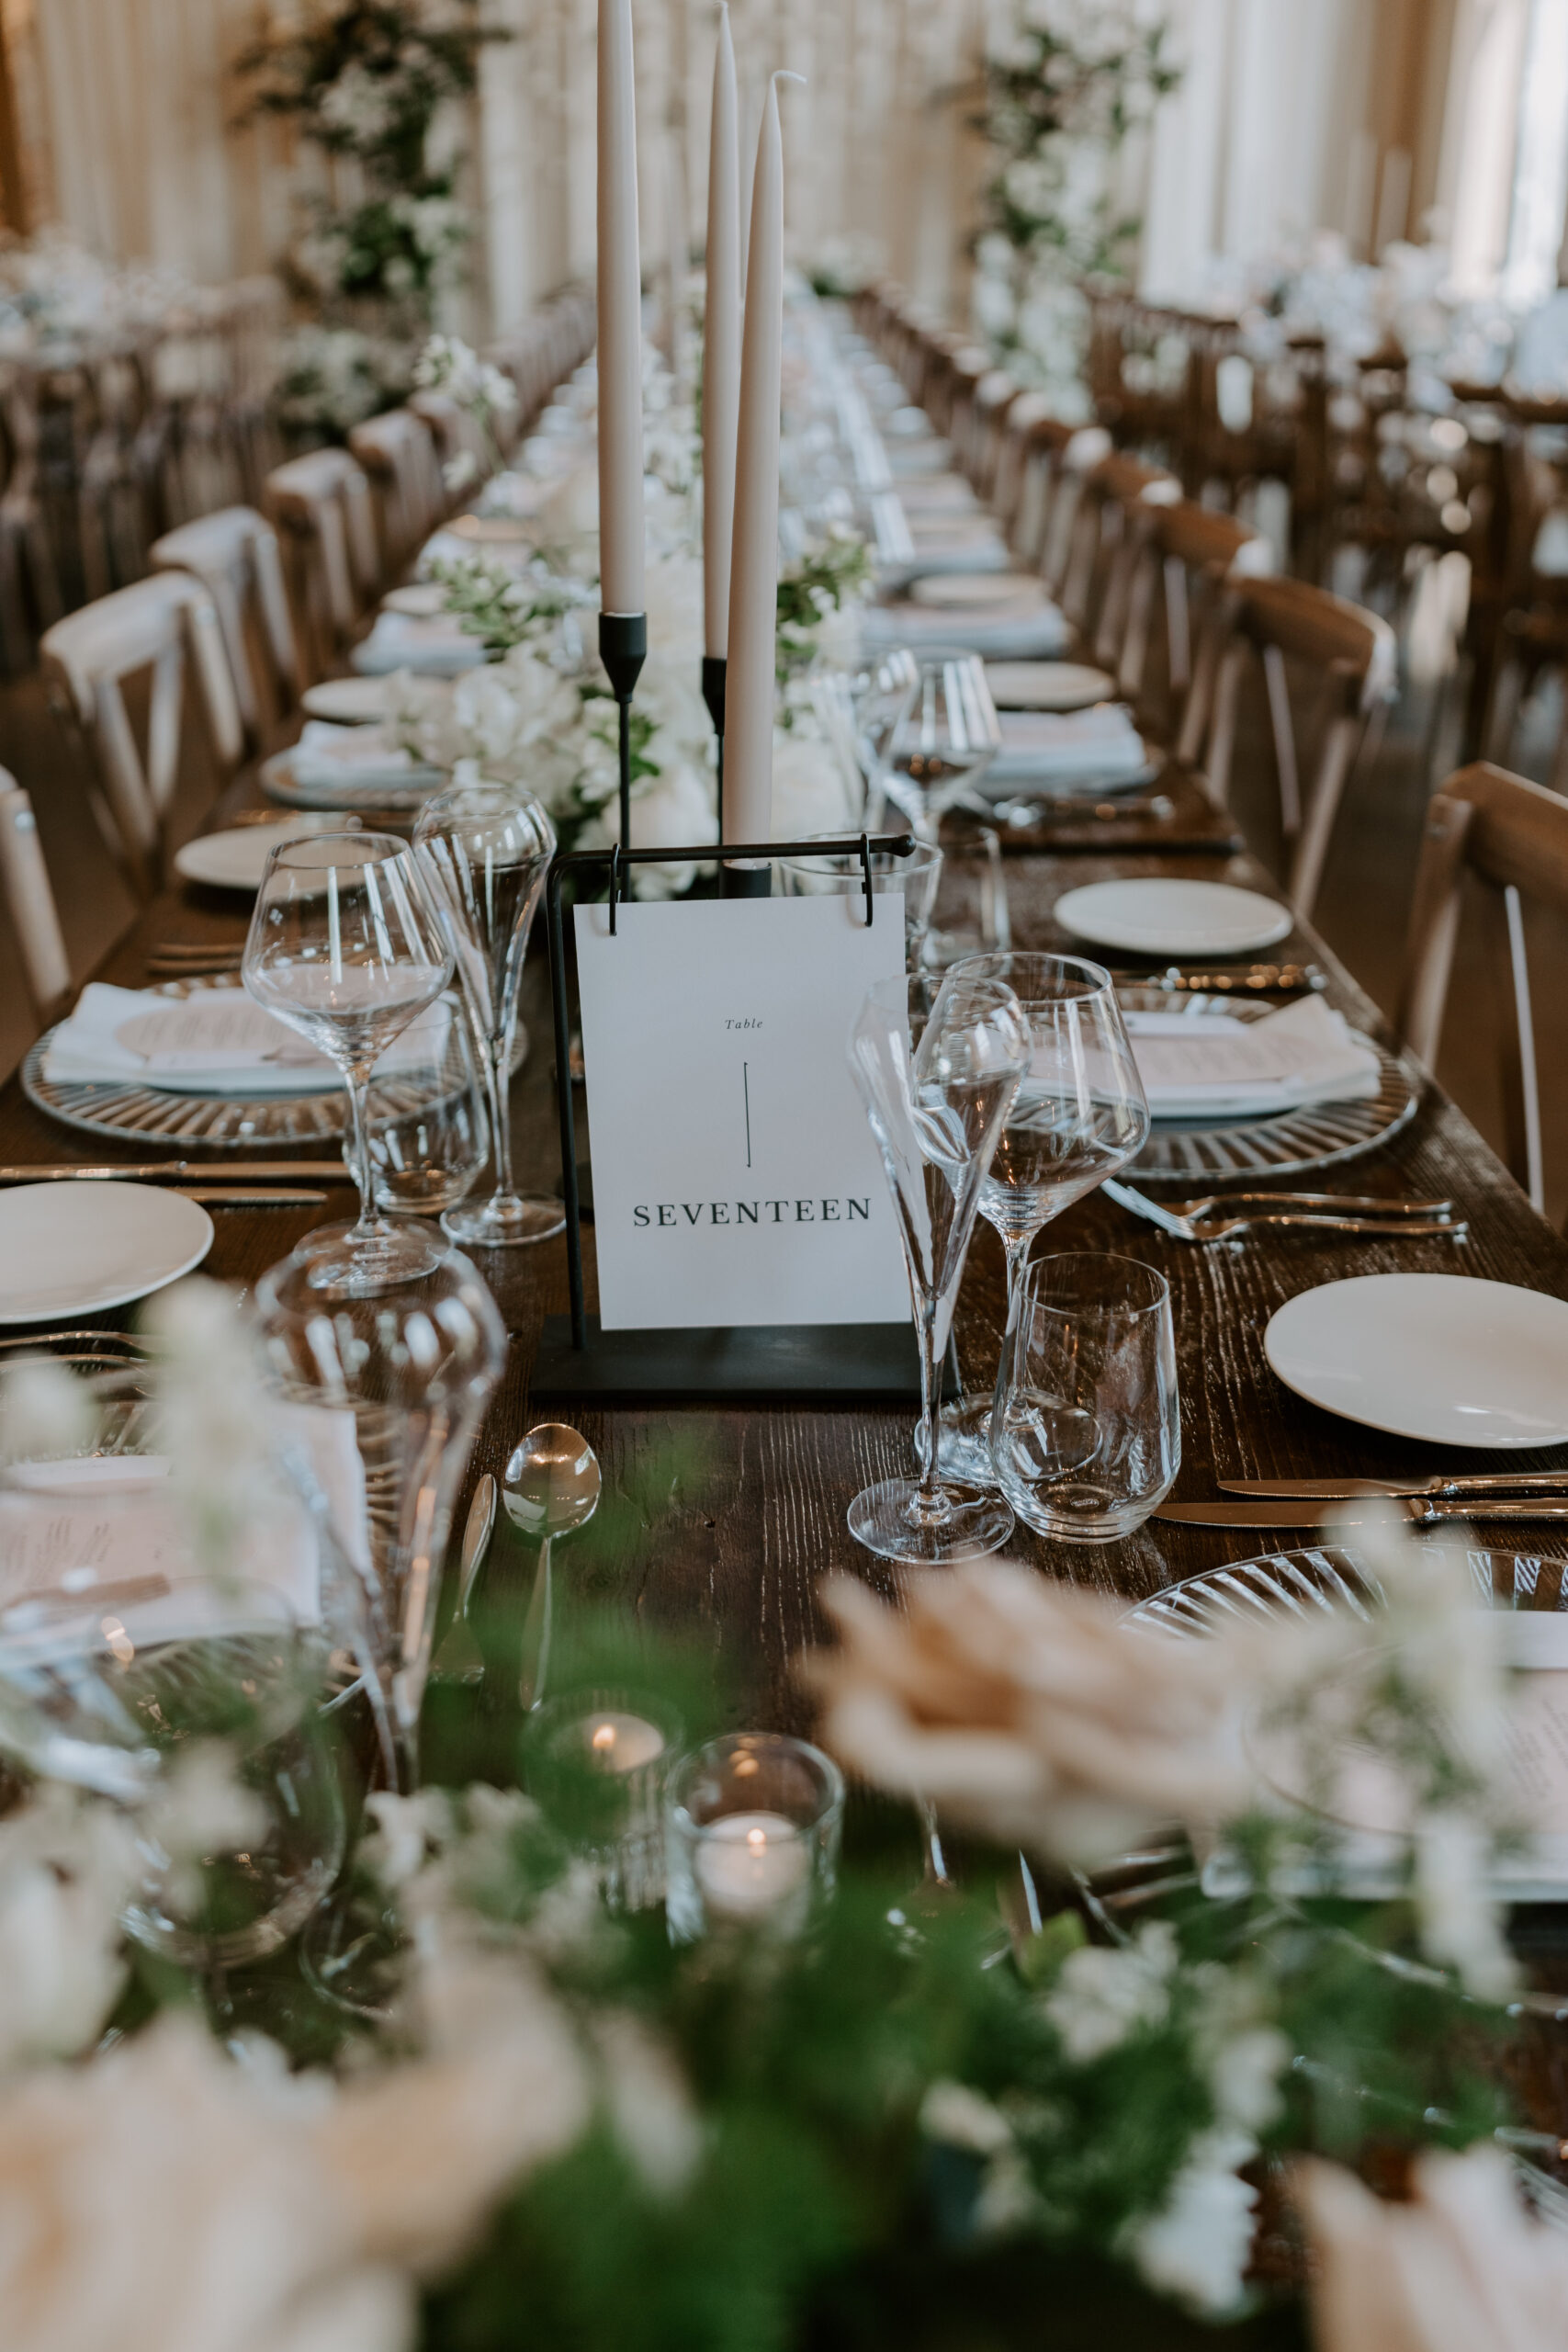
pixel 1211 1228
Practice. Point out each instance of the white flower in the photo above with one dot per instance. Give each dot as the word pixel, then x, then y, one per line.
pixel 409 1832
pixel 196 1808
pixel 45 1411
pixel 216 1424
pixel 1243 2055
pixel 668 811
pixel 1104 1994
pixel 959 2118
pixel 1196 2246
pixel 812 792
pixel 67 1866
pixel 1454 1905
pixel 649 2105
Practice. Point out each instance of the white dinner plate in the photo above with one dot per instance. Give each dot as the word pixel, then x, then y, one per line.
pixel 69 1248
pixel 420 598
pixel 349 702
pixel 1047 686
pixel 972 591
pixel 1161 917
pixel 236 860
pixel 1445 1357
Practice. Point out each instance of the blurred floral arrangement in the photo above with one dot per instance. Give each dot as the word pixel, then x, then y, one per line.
pixel 366 83
pixel 908 2119
pixel 1066 83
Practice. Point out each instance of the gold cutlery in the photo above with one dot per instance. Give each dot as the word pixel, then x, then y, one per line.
pixel 1469 1482
pixel 1349 1203
pixel 1217 1225
pixel 217 1171
pixel 248 1196
pixel 1251 980
pixel 1421 1511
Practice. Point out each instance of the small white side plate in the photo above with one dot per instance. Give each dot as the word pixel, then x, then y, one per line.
pixel 1047 686
pixel 74 1248
pixel 970 590
pixel 1159 917
pixel 349 702
pixel 1445 1357
pixel 236 860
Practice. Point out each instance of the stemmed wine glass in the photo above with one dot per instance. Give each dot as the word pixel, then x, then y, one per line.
pixel 1080 1114
pixel 345 945
pixel 880 700
pixel 949 736
pixel 486 849
pixel 937 1068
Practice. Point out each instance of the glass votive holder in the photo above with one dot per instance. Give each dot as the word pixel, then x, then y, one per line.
pixel 596 1762
pixel 429 1133
pixel 752 1823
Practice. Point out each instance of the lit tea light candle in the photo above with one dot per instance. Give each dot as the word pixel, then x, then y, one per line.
pixel 622 1742
pixel 751 1867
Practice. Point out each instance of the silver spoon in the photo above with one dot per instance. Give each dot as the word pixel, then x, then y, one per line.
pixel 550 1487
pixel 459 1657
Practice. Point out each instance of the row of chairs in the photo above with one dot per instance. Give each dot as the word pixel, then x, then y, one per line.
pixel 240 611
pixel 1112 535
pixel 1119 543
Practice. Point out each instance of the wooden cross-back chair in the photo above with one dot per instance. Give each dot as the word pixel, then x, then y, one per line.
pixel 234 554
pixel 1511 836
pixel 319 506
pixel 1105 546
pixel 1030 441
pixel 24 880
pixel 86 658
pixel 29 577
pixel 1354 656
pixel 980 453
pixel 1197 559
pixel 398 451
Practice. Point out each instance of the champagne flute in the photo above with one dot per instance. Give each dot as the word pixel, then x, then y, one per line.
pixel 1080 1114
pixel 486 850
pixel 346 947
pixel 937 1068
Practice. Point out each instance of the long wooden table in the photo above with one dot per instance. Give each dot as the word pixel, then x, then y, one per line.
pixel 730 1545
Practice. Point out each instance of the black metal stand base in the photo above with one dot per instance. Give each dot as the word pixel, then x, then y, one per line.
pixel 835 1363
pixel 745 881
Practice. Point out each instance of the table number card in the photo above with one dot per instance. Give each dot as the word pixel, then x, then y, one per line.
pixel 736 1181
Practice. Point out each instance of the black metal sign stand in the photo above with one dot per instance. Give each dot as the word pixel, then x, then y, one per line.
pixel 843 1361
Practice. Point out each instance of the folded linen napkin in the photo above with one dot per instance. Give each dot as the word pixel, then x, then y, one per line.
pixel 360 757
pixel 1214 1066
pixel 1002 633
pixel 439 647
pixel 215 1041
pixel 1098 746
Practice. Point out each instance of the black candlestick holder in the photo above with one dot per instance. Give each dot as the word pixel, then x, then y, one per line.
pixel 623 649
pixel 576 1358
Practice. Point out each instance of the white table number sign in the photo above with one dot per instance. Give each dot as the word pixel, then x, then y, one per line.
pixel 736 1181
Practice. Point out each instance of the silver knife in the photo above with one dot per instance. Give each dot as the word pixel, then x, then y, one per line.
pixel 182 1171
pixel 1479 1482
pixel 1422 1510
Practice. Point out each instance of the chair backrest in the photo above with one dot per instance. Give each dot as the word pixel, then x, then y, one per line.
pixel 1109 530
pixel 320 505
pixel 24 879
pixel 1354 656
pixel 1199 558
pixel 1512 836
pixel 86 658
pixel 398 454
pixel 234 554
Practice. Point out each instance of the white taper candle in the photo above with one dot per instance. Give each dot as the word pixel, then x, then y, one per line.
pixel 620 320
pixel 754 562
pixel 721 345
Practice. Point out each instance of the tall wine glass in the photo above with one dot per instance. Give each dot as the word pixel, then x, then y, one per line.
pixel 1080 1114
pixel 345 945
pixel 937 1068
pixel 486 849
pixel 881 699
pixel 949 736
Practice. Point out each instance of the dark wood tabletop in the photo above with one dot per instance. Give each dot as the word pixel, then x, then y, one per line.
pixel 741 1509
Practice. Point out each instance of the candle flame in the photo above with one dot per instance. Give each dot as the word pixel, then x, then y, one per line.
pixel 756 1839
pixel 603 1736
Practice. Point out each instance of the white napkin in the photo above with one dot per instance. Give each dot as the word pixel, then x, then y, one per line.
pixel 215 1041
pixel 1100 744
pixel 360 757
pixel 438 648
pixel 1215 1067
pixel 1036 634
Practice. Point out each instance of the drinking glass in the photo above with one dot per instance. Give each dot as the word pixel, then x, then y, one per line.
pixel 406 1379
pixel 937 1066
pixel 1080 1114
pixel 487 849
pixel 1086 1438
pixel 345 945
pixel 881 699
pixel 949 737
pixel 429 1135
pixel 841 875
